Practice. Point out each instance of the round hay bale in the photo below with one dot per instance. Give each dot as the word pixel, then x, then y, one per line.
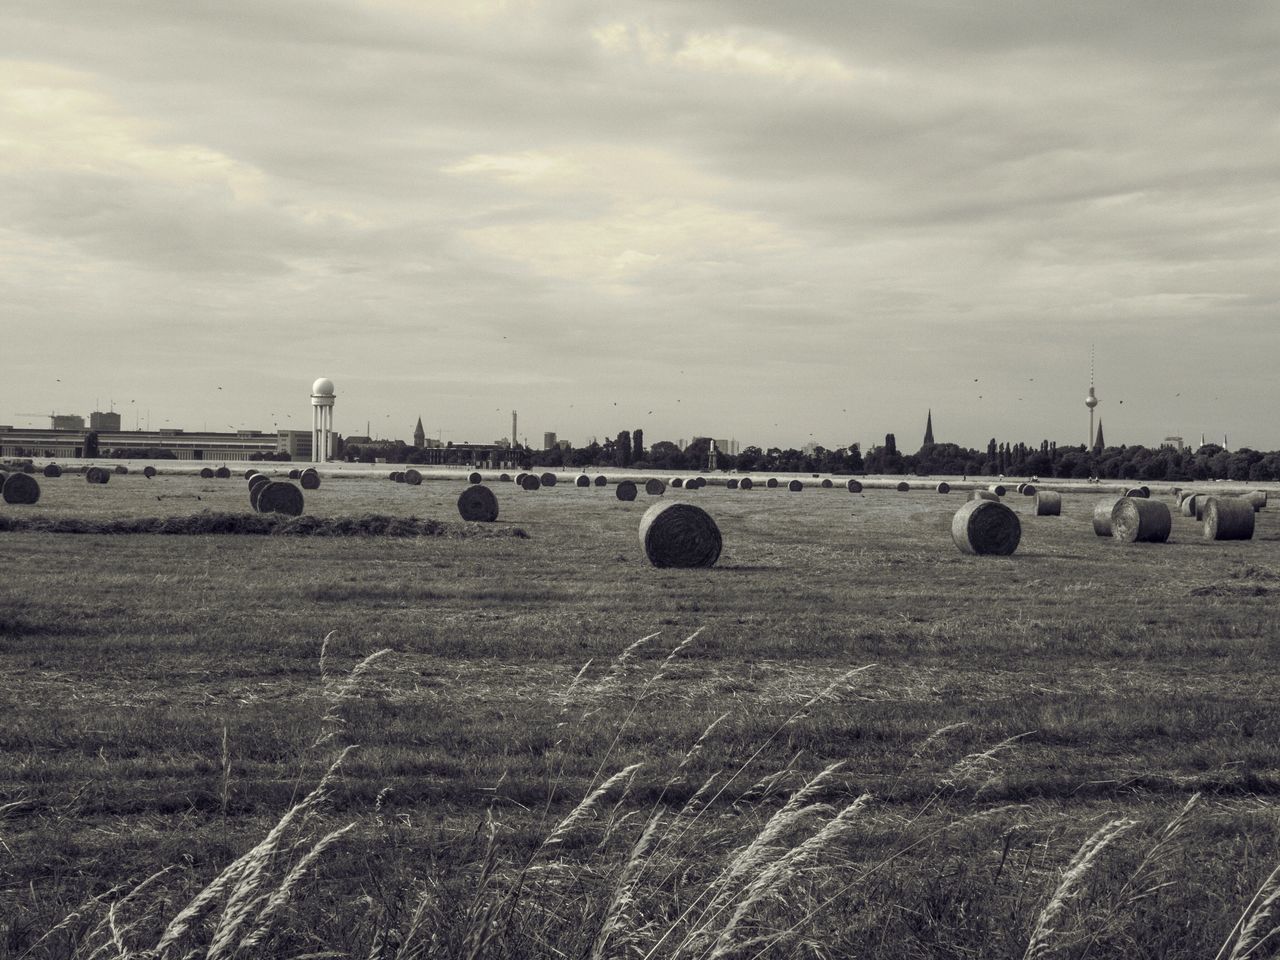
pixel 625 490
pixel 477 502
pixel 602 481
pixel 1228 518
pixel 295 474
pixel 504 477
pixel 223 473
pixel 1188 507
pixel 280 497
pixel 795 486
pixel 986 528
pixel 52 470
pixel 1139 520
pixel 411 477
pixel 1048 504
pixel 943 487
pixel 23 489
pixel 474 477
pixel 676 482
pixel 518 479
pixel 998 489
pixel 1146 491
pixel 97 475
pixel 548 479
pixel 853 486
pixel 392 476
pixel 582 481
pixel 1028 490
pixel 771 483
pixel 654 487
pixel 530 482
pixel 250 473
pixel 827 484
pixel 1257 499
pixel 255 491
pixel 148 471
pixel 679 535
pixel 1174 493
pixel 1021 487
pixel 1201 502
pixel 983 495
pixel 746 483
pixel 206 473
pixel 731 483
pixel 310 480
pixel 699 482
pixel 399 476
pixel 120 469
pixel 1102 516
pixel 902 486
pixel 257 481
pixel 1138 493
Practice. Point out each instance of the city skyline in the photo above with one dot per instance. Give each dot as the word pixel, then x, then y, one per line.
pixel 787 222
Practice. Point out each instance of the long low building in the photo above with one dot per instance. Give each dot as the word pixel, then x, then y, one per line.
pixel 72 444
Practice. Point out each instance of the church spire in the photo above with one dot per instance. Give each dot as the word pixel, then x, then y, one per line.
pixel 928 429
pixel 419 435
pixel 1099 444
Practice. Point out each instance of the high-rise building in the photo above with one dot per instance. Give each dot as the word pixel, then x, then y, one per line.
pixel 66 421
pixel 549 440
pixel 98 420
pixel 727 447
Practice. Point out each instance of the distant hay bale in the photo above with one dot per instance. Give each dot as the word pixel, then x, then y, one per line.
pixel 654 487
pixel 1021 487
pixel 477 502
pixel 206 473
pixel 699 482
pixel 411 476
pixel 280 497
pixel 771 483
pixel 474 477
pixel 731 483
pixel 310 479
pixel 1028 490
pixel 1140 520
pixel 1048 504
pixel 255 491
pixel 548 479
pixel 853 486
pixel 1146 491
pixel 625 490
pixel 1257 499
pixel 942 487
pixel 21 489
pixel 1188 504
pixel 676 482
pixel 519 478
pixel 983 495
pixel 902 486
pixel 148 471
pixel 746 483
pixel 223 473
pixel 504 477
pixel 998 489
pixel 530 482
pixel 258 479
pixel 52 470
pixel 1102 516
pixel 678 534
pixel 1138 493
pixel 795 486
pixel 295 474
pixel 249 473
pixel 97 475
pixel 827 484
pixel 986 528
pixel 582 481
pixel 1228 518
pixel 121 469
pixel 602 481
pixel 1174 493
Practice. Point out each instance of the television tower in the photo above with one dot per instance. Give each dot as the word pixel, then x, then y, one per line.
pixel 1091 401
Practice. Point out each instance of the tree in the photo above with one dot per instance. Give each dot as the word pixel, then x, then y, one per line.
pixel 91 445
pixel 637 444
pixel 622 449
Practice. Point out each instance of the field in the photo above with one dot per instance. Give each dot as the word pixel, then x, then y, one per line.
pixel 999 752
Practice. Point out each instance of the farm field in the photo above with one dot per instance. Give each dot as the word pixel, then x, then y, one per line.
pixel 166 699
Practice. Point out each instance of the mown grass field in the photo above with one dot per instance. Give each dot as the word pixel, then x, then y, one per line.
pixel 165 699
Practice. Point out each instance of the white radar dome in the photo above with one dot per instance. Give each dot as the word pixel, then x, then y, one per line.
pixel 322 388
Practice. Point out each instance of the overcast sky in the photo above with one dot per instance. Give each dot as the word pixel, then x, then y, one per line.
pixel 777 222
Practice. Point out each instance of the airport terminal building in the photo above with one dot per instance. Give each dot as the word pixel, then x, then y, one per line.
pixel 62 444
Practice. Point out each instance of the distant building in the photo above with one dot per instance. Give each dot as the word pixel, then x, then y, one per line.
pixel 1171 443
pixel 419 435
pixel 564 444
pixel 549 440
pixel 928 430
pixel 728 447
pixel 104 421
pixel 296 443
pixel 66 421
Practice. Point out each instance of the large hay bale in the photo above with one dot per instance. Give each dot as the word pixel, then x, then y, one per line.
pixel 676 482
pixel 52 470
pixel 206 473
pixel 625 490
pixel 827 484
pixel 148 471
pixel 679 535
pixel 258 479
pixel 1257 499
pixel 411 476
pixel 474 477
pixel 654 487
pixel 942 487
pixel 1102 516
pixel 310 479
pixel 1201 502
pixel 983 495
pixel 223 473
pixel 1228 518
pixel 548 479
pixel 582 481
pixel 902 486
pixel 986 528
pixel 280 497
pixel 746 483
pixel 795 486
pixel 24 489
pixel 1138 493
pixel 530 482
pixel 1140 520
pixel 853 486
pixel 998 489
pixel 1048 504
pixel 771 483
pixel 477 502
pixel 602 481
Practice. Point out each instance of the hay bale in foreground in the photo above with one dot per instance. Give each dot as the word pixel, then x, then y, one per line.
pixel 582 481
pixel 1228 518
pixel 530 482
pixel 771 483
pixel 411 476
pixel 602 481
pixel 679 535
pixel 654 487
pixel 477 502
pixel 223 473
pixel 1140 520
pixel 280 497
pixel 986 528
pixel 258 480
pixel 942 487
pixel 853 486
pixel 548 479
pixel 1257 499
pixel 625 490
pixel 998 489
pixel 52 470
pixel 1102 516
pixel 746 483
pixel 902 486
pixel 148 471
pixel 1048 504
pixel 255 491
pixel 1201 502
pixel 474 477
pixel 795 486
pixel 827 484
pixel 23 489
pixel 731 483
pixel 983 495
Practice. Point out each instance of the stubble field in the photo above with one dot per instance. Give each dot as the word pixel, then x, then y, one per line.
pixel 964 726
